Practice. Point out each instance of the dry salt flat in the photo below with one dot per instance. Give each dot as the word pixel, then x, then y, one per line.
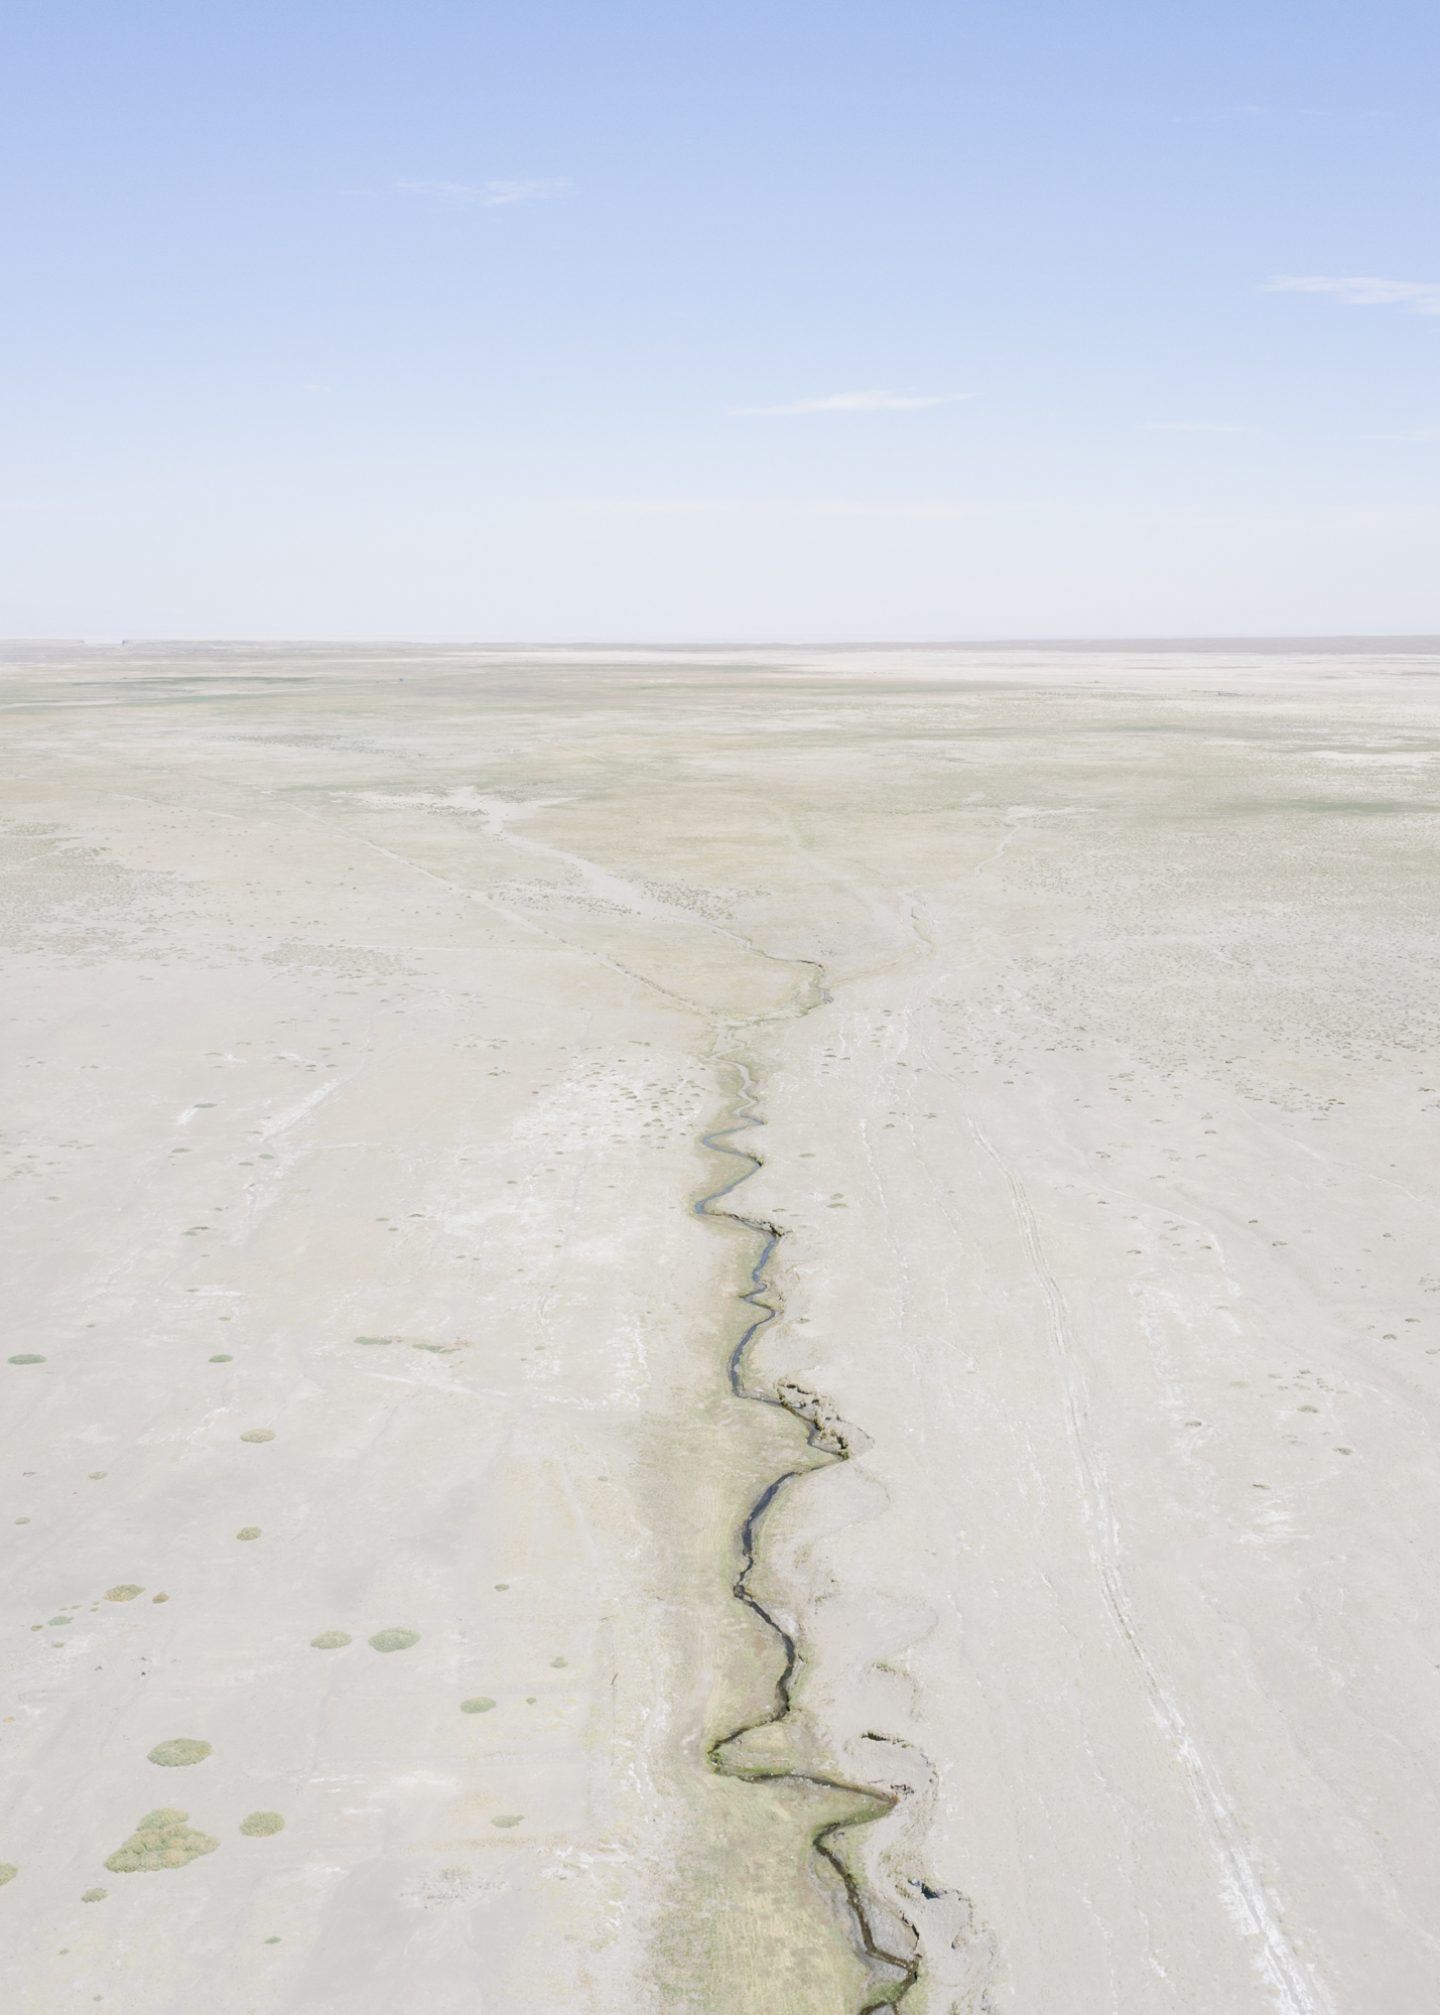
pixel 723 1331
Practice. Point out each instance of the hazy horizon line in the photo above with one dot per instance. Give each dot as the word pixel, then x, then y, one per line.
pixel 1350 639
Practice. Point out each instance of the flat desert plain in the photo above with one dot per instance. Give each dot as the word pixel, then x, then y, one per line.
pixel 721 1333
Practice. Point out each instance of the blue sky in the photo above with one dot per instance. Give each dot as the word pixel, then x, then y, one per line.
pixel 644 321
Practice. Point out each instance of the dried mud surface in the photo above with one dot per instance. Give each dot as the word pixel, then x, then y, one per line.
pixel 811 1278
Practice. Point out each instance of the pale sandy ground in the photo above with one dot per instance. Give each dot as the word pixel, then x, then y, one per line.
pixel 365 1011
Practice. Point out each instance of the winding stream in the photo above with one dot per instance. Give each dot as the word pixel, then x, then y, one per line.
pixel 896 1972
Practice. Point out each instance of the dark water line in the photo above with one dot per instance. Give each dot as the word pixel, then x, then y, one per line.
pixel 830 1442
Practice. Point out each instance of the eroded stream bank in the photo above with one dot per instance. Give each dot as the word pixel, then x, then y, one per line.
pixel 758 1749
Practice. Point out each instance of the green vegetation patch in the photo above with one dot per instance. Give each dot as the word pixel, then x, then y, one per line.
pixel 259 1825
pixel 394 1640
pixel 180 1750
pixel 258 1434
pixel 26 1357
pixel 162 1839
pixel 124 1591
pixel 479 1705
pixel 331 1640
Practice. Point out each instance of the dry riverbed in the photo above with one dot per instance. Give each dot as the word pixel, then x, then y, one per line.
pixel 389 1418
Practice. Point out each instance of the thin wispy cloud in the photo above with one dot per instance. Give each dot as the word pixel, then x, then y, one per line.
pixel 493 195
pixel 817 507
pixel 1197 427
pixel 1362 290
pixel 1207 114
pixel 857 402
